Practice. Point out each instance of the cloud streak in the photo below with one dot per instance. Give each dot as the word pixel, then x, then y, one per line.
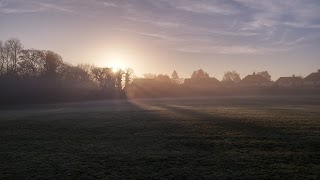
pixel 204 26
pixel 242 26
pixel 32 6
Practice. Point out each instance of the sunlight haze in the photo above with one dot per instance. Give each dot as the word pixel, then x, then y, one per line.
pixel 160 89
pixel 158 36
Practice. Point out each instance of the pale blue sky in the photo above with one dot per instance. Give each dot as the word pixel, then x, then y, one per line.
pixel 158 36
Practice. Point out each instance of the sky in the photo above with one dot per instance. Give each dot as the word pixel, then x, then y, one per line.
pixel 159 36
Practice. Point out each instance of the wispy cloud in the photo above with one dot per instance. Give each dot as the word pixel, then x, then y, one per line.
pixel 302 25
pixel 205 8
pixel 210 26
pixel 32 6
pixel 17 11
pixel 56 7
pixel 222 50
pixel 110 4
pixel 271 13
pixel 153 35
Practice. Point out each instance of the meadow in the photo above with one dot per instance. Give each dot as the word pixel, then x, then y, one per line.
pixel 244 137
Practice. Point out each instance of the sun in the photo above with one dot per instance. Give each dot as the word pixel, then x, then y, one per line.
pixel 116 65
pixel 114 61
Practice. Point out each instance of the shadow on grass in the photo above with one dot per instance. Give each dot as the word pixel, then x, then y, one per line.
pixel 146 140
pixel 244 126
pixel 244 145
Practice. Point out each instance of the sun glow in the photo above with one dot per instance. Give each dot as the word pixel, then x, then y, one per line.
pixel 115 60
pixel 116 63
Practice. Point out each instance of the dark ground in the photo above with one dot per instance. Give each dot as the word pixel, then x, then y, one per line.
pixel 203 138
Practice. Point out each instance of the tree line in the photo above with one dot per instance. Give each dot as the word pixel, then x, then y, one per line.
pixel 229 77
pixel 19 63
pixel 43 74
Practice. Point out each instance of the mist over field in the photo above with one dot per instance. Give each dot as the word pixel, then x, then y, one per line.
pixel 193 138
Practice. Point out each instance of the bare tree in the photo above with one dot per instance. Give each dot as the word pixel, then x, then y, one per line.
pixel 14 48
pixel 104 77
pixel 31 63
pixel 118 79
pixel 6 58
pixel 2 59
pixel 128 76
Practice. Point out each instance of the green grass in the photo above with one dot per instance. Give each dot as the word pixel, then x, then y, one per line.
pixel 204 138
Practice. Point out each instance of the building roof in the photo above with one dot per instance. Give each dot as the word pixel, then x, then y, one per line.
pixel 149 82
pixel 254 78
pixel 208 81
pixel 289 79
pixel 313 76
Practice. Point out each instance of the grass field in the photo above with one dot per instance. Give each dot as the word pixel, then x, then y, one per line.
pixel 208 138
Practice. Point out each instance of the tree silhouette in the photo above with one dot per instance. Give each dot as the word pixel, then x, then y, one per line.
pixel 51 78
pixel 37 73
pixel 52 62
pixel 265 74
pixel 231 76
pixel 31 63
pixel 200 74
pixel 13 48
pixel 175 77
pixel 149 76
pixel 128 73
pixel 163 78
pixel 105 78
pixel 118 79
pixel 73 73
pixel 2 58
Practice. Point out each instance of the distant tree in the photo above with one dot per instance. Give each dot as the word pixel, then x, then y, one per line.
pixel 31 63
pixel 128 76
pixel 265 74
pixel 118 79
pixel 231 77
pixel 2 59
pixel 52 62
pixel 13 48
pixel 104 77
pixel 149 76
pixel 163 78
pixel 38 68
pixel 200 74
pixel 73 73
pixel 86 67
pixel 175 77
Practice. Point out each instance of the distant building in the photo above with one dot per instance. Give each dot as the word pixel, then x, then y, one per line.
pixel 289 82
pixel 313 80
pixel 148 83
pixel 143 81
pixel 203 82
pixel 256 80
pixel 149 88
